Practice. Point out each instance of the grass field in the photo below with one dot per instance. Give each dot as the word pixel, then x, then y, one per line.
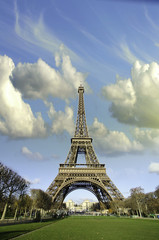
pixel 89 228
pixel 10 231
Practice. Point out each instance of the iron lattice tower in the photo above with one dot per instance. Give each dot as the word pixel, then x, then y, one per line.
pixel 91 175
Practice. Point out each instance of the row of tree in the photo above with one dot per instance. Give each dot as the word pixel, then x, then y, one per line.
pixel 138 203
pixel 12 186
pixel 14 199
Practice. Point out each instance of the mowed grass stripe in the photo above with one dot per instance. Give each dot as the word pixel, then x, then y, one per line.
pixel 95 228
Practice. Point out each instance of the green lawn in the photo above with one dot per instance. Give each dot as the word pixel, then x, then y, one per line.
pixel 10 231
pixel 92 228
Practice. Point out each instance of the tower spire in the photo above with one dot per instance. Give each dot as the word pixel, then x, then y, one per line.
pixel 81 125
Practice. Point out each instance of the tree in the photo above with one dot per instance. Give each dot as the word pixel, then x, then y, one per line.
pixel 137 200
pixel 4 174
pixel 117 206
pixel 10 184
pixel 23 204
pixel 157 192
pixel 95 207
pixel 143 204
pixel 41 199
pixel 153 202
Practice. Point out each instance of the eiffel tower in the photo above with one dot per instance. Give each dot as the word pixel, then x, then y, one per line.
pixel 91 175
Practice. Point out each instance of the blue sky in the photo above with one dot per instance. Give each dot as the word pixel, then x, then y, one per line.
pixel 47 48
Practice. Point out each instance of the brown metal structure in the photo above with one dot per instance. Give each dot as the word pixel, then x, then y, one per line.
pixel 91 175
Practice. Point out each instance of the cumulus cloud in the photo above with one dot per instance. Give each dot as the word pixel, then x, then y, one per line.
pixel 36 81
pixel 154 167
pixel 136 101
pixel 16 117
pixel 62 121
pixel 32 155
pixel 112 142
pixel 149 138
pixel 39 80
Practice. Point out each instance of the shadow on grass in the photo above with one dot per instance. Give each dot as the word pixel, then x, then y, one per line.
pixel 5 234
pixel 11 234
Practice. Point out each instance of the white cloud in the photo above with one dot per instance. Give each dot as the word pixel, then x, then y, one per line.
pixel 150 20
pixel 154 167
pixel 34 181
pixel 56 157
pixel 57 59
pixel 35 81
pixel 34 30
pixel 33 156
pixel 62 121
pixel 112 142
pixel 16 117
pixel 115 142
pixel 149 138
pixel 126 54
pixel 39 80
pixel 136 101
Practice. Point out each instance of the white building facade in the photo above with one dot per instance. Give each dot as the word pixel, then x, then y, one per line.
pixel 86 205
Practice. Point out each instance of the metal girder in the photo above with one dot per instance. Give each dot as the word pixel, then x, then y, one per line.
pixel 90 176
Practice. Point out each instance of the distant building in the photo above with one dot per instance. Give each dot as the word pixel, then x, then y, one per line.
pixel 84 206
pixel 70 205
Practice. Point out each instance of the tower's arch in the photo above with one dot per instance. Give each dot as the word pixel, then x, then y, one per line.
pixel 93 185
